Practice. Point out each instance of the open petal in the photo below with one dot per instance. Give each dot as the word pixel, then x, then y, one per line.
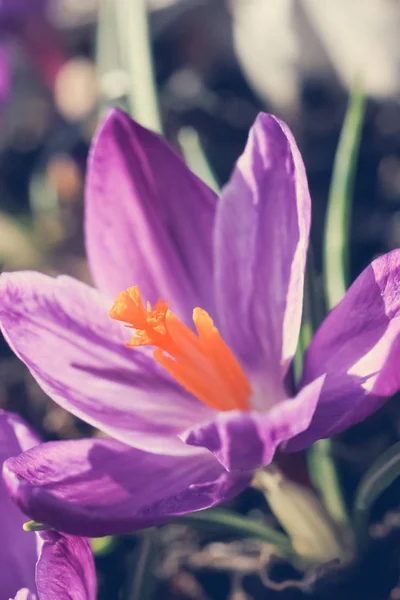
pixel 99 486
pixel 261 239
pixel 148 218
pixel 61 330
pixel 18 551
pixel 242 441
pixel 65 568
pixel 358 347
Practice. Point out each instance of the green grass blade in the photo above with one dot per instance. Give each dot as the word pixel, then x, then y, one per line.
pixel 336 243
pixel 244 527
pixel 384 471
pixel 336 277
pixel 196 158
pixel 134 35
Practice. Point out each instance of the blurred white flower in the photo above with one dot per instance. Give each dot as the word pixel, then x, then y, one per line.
pixel 279 43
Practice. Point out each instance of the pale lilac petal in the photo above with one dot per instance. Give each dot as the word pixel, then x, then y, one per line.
pixel 148 219
pixel 242 441
pixel 25 594
pixel 261 239
pixel 5 74
pixel 65 568
pixel 358 347
pixel 96 487
pixel 61 330
pixel 18 548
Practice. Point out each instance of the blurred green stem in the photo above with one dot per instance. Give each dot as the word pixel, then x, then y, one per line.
pixel 382 474
pixel 337 227
pixel 134 35
pixel 336 256
pixel 196 158
pixel 325 478
pixel 108 50
pixel 311 317
pixel 143 581
pixel 245 527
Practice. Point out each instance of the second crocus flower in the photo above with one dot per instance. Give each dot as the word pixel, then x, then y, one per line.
pixel 45 565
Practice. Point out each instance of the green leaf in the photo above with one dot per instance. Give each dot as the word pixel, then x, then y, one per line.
pixel 384 471
pixel 336 241
pixel 312 317
pixel 244 527
pixel 196 157
pixel 134 37
pixel 103 545
pixel 336 279
pixel 325 478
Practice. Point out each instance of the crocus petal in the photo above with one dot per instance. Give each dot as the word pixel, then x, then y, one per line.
pixel 96 487
pixel 261 239
pixel 5 74
pixel 148 219
pixel 65 568
pixel 358 347
pixel 18 549
pixel 242 441
pixel 61 330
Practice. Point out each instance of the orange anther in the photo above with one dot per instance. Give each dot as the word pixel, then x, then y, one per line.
pixel 203 364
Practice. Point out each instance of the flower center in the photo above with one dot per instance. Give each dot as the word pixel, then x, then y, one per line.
pixel 203 364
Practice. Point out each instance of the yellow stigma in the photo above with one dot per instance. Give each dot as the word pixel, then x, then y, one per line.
pixel 203 364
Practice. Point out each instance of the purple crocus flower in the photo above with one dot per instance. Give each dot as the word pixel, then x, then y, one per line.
pixel 28 21
pixel 64 564
pixel 189 425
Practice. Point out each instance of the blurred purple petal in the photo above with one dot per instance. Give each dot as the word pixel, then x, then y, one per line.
pixel 18 549
pixel 5 74
pixel 65 568
pixel 148 219
pixel 99 486
pixel 61 330
pixel 28 21
pixel 358 347
pixel 262 229
pixel 21 8
pixel 248 440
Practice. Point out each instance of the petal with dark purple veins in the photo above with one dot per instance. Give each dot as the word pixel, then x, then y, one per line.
pixel 61 330
pixel 242 441
pixel 358 347
pixel 149 219
pixel 18 550
pixel 261 239
pixel 99 486
pixel 65 568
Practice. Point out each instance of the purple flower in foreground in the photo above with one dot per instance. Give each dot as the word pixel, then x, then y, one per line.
pixel 45 565
pixel 11 9
pixel 27 20
pixel 189 425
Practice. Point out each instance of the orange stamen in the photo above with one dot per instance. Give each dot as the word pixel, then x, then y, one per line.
pixel 203 364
